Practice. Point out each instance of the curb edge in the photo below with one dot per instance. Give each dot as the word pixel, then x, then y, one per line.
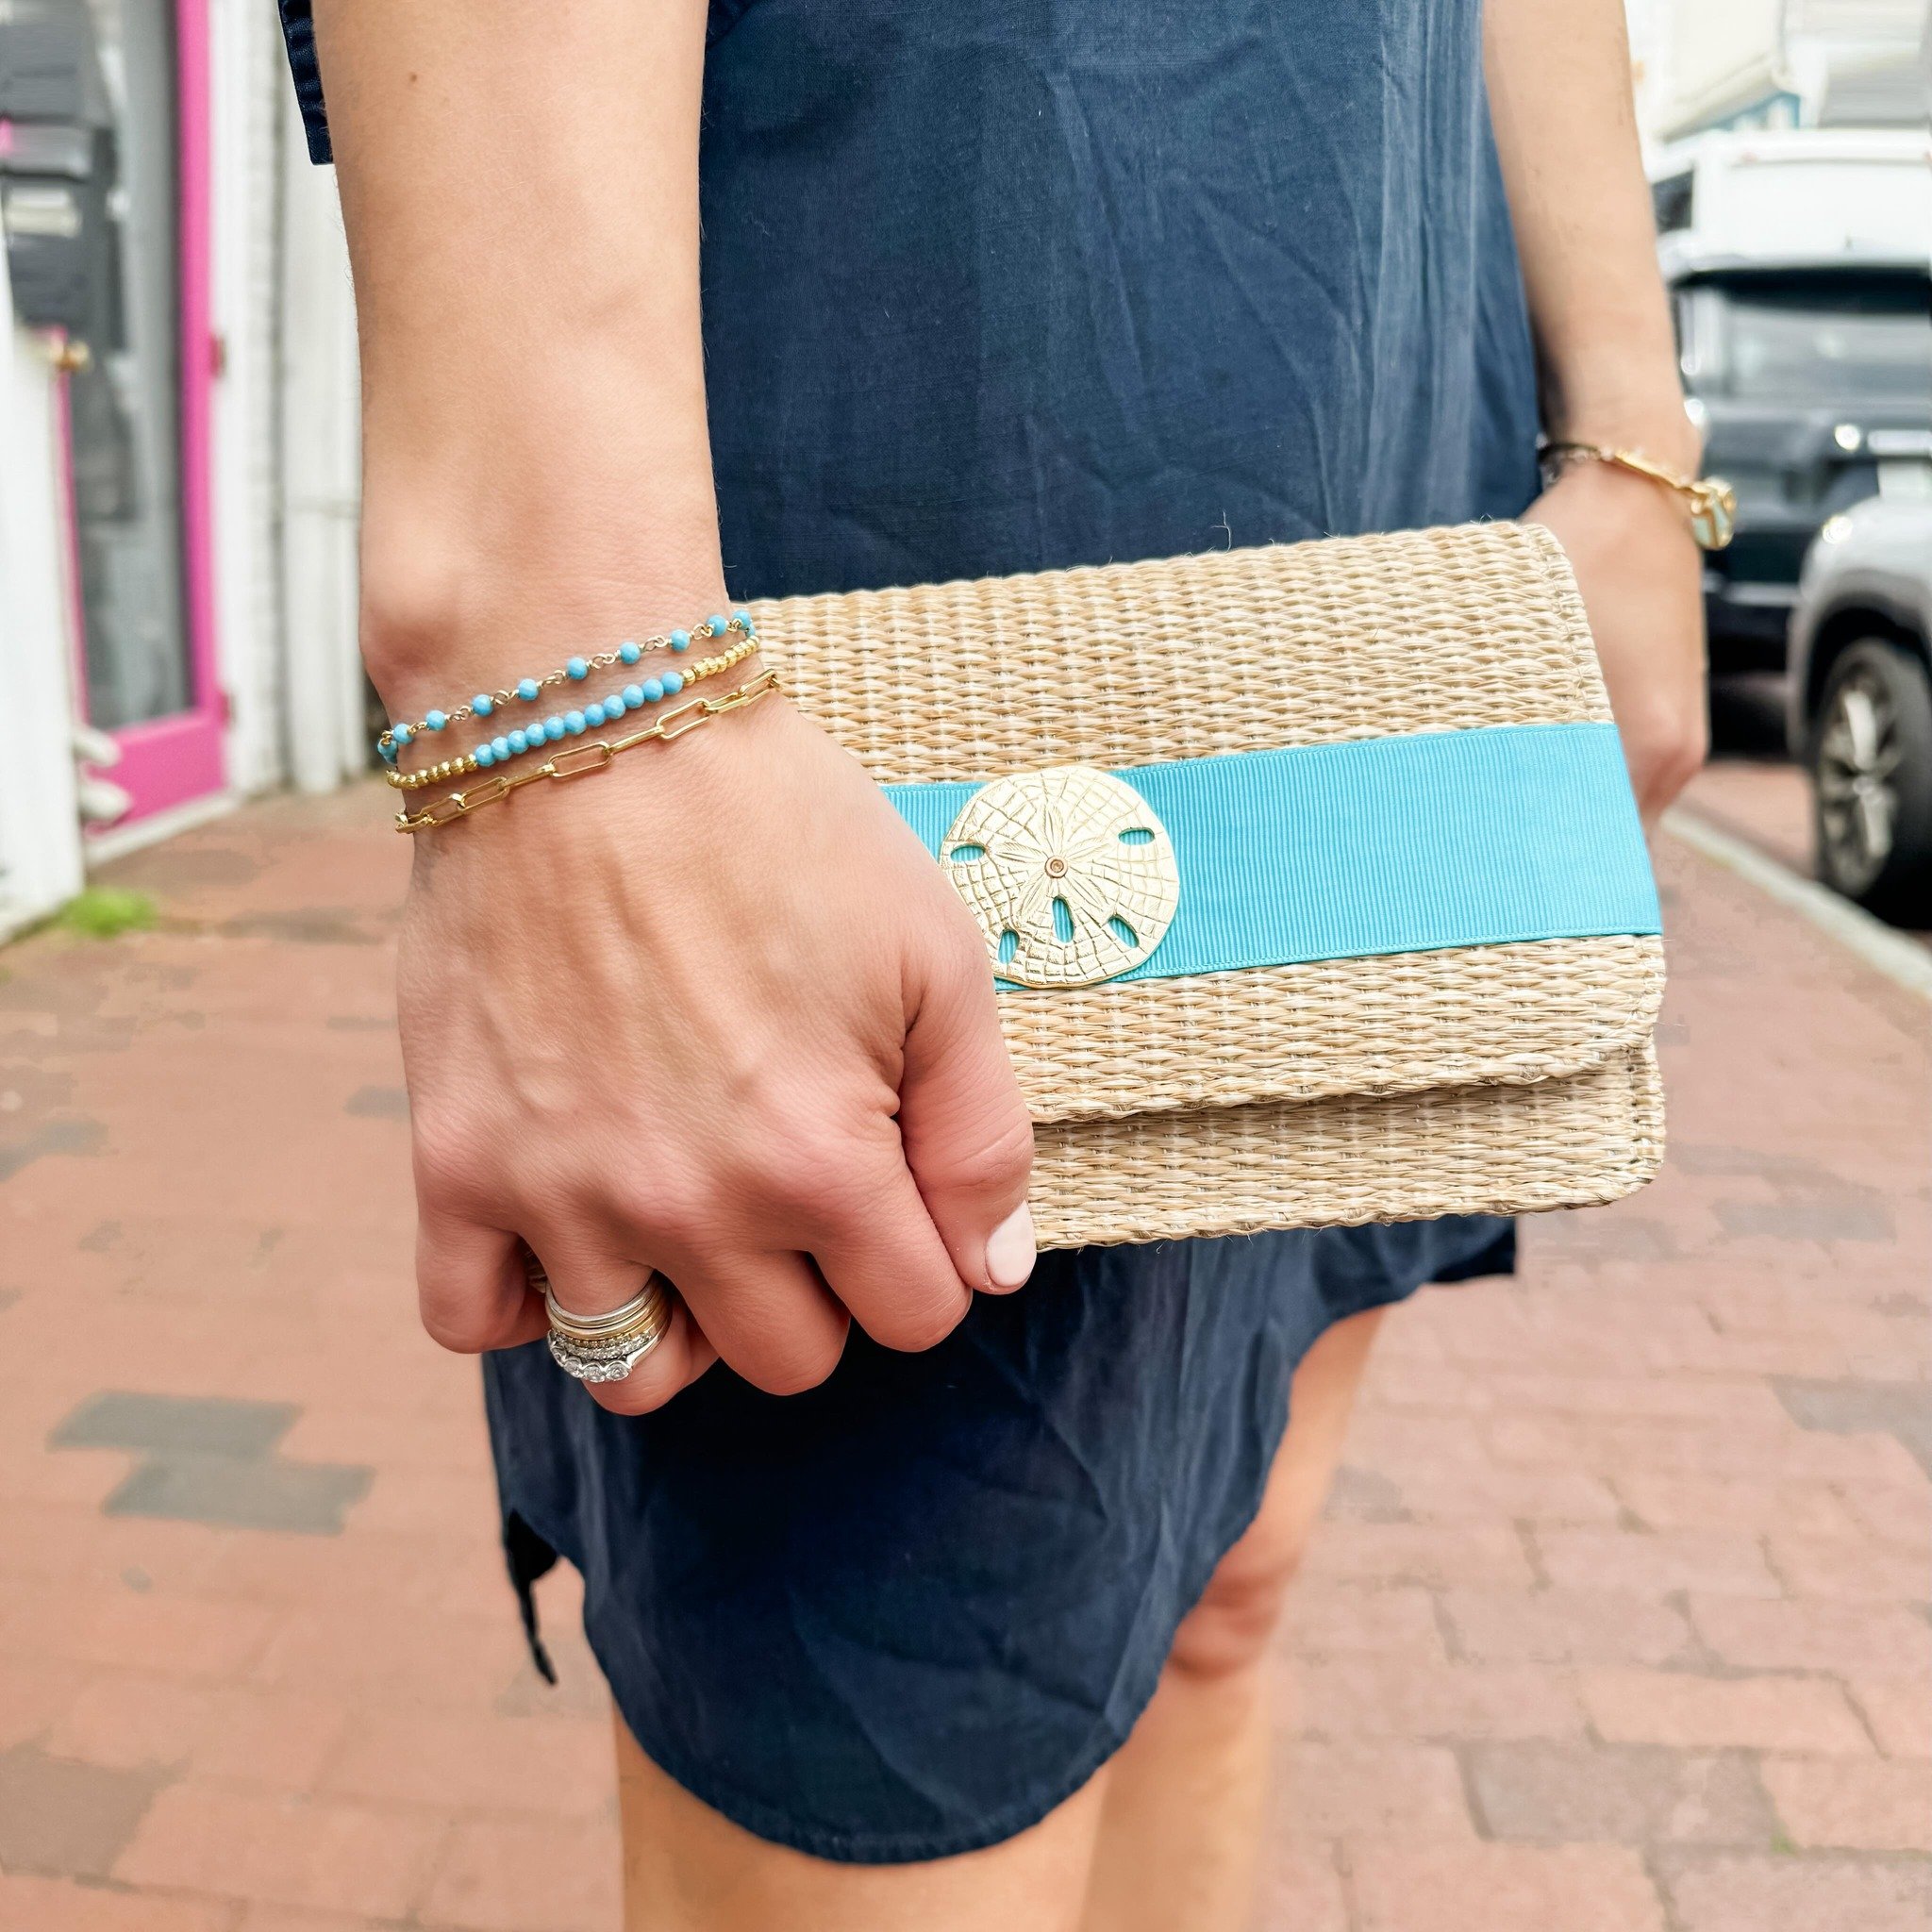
pixel 1886 951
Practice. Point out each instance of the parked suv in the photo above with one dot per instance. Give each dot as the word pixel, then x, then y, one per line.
pixel 1861 715
pixel 1812 380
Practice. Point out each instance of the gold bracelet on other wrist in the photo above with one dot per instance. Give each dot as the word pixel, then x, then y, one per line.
pixel 1711 501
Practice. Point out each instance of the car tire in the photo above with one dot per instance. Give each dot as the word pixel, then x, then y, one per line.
pixel 1871 759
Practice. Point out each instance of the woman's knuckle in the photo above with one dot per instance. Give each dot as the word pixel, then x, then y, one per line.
pixel 671 1209
pixel 926 1324
pixel 792 1365
pixel 995 1158
pixel 441 1175
pixel 450 1158
pixel 457 1325
pixel 828 1188
pixel 961 978
pixel 962 953
pixel 623 1398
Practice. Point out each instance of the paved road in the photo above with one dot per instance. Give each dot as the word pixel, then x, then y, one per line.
pixel 1619 1624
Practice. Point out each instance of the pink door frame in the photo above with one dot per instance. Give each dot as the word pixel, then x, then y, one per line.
pixel 171 761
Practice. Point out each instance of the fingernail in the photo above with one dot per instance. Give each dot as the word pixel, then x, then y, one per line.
pixel 1010 1250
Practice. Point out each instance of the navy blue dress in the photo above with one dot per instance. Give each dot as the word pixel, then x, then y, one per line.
pixel 992 286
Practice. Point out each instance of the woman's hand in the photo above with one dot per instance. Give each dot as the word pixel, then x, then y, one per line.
pixel 1641 576
pixel 715 1012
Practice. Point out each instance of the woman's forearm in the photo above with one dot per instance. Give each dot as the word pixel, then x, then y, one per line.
pixel 520 188
pixel 1560 97
pixel 716 1013
pixel 1560 91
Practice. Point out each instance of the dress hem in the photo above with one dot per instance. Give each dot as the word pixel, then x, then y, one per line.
pixel 912 1848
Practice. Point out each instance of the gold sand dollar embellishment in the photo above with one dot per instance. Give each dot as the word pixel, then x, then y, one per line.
pixel 1072 877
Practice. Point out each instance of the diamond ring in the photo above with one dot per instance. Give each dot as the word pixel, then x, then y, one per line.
pixel 606 1347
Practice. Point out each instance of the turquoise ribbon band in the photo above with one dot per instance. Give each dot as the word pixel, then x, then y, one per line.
pixel 1404 845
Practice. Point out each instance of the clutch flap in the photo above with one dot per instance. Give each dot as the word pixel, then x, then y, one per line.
pixel 1346 817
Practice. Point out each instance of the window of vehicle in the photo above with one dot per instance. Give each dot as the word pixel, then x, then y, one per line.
pixel 1670 201
pixel 1840 338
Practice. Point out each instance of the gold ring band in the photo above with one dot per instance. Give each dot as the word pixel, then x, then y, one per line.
pixel 605 1347
pixel 650 1307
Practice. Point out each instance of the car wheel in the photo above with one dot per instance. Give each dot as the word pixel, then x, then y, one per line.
pixel 1872 781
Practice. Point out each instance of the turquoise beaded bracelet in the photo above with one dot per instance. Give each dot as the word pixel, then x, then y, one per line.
pixel 528 690
pixel 540 732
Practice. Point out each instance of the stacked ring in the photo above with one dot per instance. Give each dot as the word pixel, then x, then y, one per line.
pixel 605 1348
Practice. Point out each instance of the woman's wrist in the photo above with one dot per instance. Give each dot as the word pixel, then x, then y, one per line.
pixel 459 625
pixel 1609 403
pixel 454 603
pixel 556 505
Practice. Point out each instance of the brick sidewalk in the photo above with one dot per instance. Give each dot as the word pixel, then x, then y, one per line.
pixel 1618 1624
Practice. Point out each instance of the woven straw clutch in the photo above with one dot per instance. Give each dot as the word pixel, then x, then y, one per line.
pixel 1310 874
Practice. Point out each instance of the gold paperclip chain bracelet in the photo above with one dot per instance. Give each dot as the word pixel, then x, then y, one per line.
pixel 580 760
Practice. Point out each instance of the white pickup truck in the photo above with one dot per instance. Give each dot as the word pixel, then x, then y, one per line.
pixel 1798 267
pixel 1799 190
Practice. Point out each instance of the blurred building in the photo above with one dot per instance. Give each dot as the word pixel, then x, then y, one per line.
pixel 1789 157
pixel 177 404
pixel 1707 66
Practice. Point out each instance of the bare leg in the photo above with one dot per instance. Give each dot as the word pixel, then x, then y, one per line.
pixel 687 1868
pixel 1180 1829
